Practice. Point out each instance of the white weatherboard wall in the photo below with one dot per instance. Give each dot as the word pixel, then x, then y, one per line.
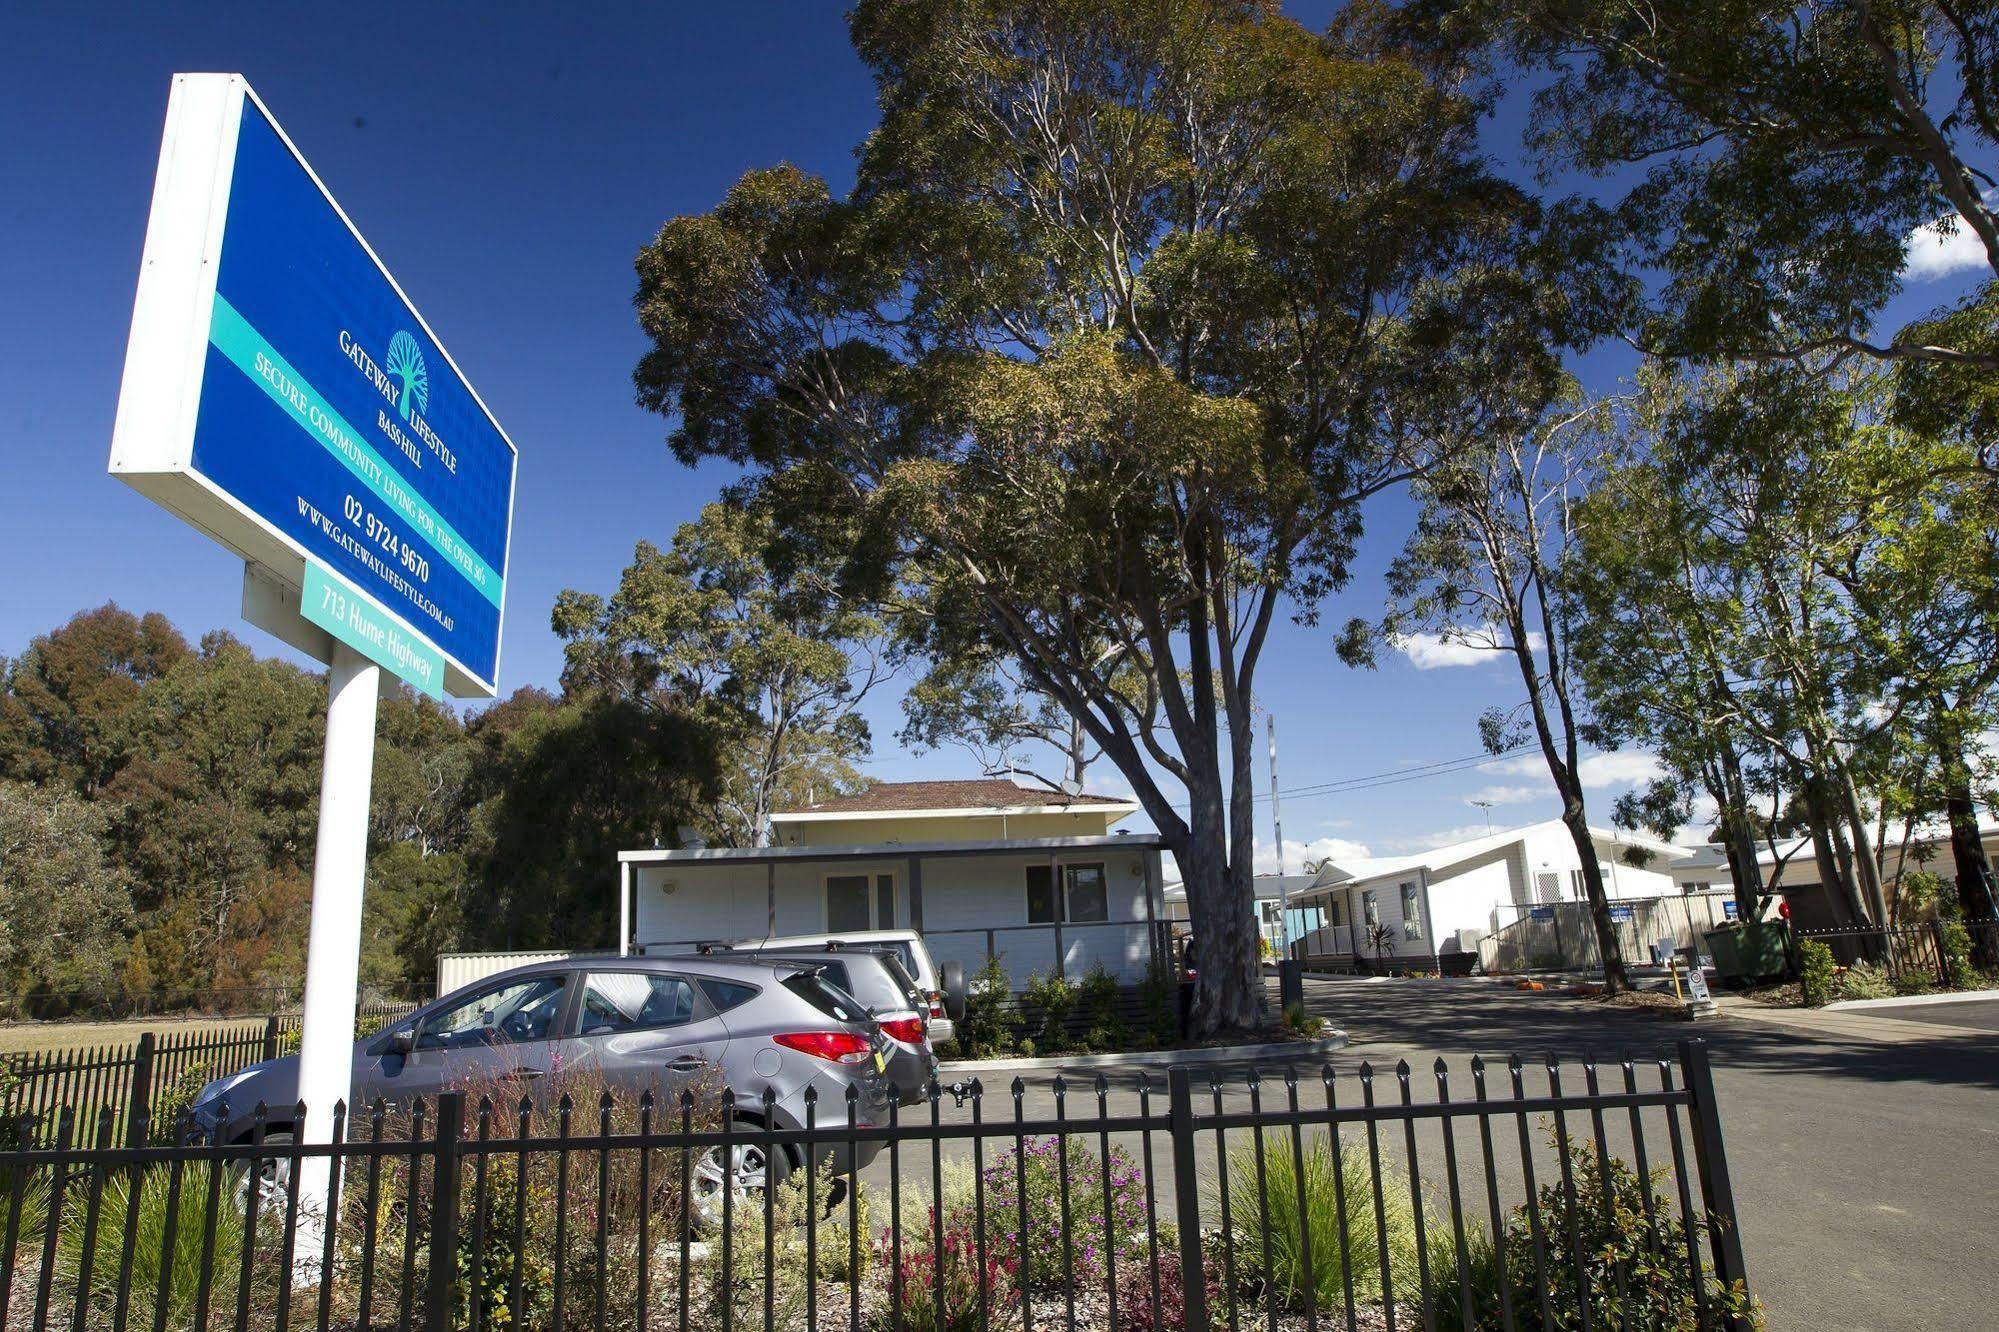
pixel 963 897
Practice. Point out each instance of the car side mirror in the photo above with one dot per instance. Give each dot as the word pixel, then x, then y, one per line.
pixel 402 1041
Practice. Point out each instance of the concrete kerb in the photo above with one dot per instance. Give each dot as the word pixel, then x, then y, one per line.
pixel 1207 1055
pixel 1911 1000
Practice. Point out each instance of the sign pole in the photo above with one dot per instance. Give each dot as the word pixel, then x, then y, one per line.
pixel 339 869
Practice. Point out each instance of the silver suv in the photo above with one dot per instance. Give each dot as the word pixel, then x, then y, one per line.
pixel 633 1024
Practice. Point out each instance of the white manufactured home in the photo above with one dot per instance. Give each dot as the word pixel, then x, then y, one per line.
pixel 982 868
pixel 1405 908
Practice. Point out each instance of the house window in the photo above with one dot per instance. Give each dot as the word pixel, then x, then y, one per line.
pixel 1576 885
pixel 1412 913
pixel 1084 898
pixel 1339 912
pixel 858 902
pixel 1370 907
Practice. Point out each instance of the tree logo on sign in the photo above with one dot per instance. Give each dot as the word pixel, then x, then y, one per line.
pixel 407 368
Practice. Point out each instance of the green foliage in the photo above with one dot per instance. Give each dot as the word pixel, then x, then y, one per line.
pixel 1816 970
pixel 1048 1002
pixel 945 1286
pixel 1629 1265
pixel 1098 1012
pixel 160 1273
pixel 1159 1001
pixel 64 909
pixel 989 1026
pixel 1864 980
pixel 1299 1022
pixel 172 1105
pixel 734 622
pixel 1339 1199
pixel 1955 941
pixel 994 381
pixel 1044 1175
pixel 1912 982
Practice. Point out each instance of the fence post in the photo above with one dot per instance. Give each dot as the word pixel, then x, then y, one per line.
pixel 1187 1197
pixel 1944 978
pixel 139 1094
pixel 1711 1159
pixel 271 1037
pixel 444 1212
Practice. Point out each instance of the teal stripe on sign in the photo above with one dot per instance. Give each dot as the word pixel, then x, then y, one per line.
pixel 249 352
pixel 356 620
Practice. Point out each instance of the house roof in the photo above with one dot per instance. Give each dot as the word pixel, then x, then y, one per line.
pixel 977 795
pixel 1359 868
pixel 756 855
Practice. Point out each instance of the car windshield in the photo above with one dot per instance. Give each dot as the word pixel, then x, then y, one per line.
pixel 825 996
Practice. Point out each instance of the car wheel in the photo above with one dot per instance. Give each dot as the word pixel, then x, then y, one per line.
pixel 753 1166
pixel 273 1172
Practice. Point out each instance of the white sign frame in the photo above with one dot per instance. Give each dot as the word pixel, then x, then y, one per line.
pixel 159 395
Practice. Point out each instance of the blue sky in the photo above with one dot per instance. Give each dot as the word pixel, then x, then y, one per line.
pixel 506 166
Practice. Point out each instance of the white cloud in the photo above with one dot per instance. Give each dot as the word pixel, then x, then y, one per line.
pixel 1931 254
pixel 1428 652
pixel 1508 795
pixel 1598 772
pixel 1430 840
pixel 1296 853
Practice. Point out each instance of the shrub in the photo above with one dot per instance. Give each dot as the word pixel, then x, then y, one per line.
pixel 1047 1252
pixel 1268 1236
pixel 1864 980
pixel 1955 942
pixel 988 1027
pixel 1049 1000
pixel 1136 1309
pixel 178 1100
pixel 160 1276
pixel 756 1258
pixel 1159 1000
pixel 1620 1223
pixel 933 1287
pixel 1913 983
pixel 1308 1025
pixel 1103 1026
pixel 1815 972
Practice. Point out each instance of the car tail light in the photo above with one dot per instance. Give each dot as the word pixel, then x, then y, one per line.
pixel 908 1030
pixel 936 1005
pixel 842 1047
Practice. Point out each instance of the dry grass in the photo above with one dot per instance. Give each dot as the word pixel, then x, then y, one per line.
pixel 18 1037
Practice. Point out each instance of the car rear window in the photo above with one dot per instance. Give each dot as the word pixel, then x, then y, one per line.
pixel 825 996
pixel 726 995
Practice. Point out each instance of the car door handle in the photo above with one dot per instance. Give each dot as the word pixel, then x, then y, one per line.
pixel 687 1063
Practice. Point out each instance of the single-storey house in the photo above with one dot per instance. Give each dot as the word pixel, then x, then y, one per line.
pixel 1272 892
pixel 982 868
pixel 1791 871
pixel 1449 897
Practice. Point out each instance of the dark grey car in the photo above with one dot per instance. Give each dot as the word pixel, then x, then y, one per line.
pixel 631 1025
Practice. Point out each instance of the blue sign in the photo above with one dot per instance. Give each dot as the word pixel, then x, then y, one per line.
pixel 1731 910
pixel 1621 915
pixel 1541 913
pixel 328 415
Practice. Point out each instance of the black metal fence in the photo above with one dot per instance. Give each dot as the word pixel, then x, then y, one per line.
pixel 150 1072
pixel 1497 1196
pixel 1920 953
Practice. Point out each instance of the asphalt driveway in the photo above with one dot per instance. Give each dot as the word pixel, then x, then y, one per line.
pixel 1866 1171
pixel 1864 1153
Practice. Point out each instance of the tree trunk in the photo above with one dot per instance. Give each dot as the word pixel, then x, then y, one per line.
pixel 1974 877
pixel 1220 913
pixel 1744 869
pixel 1615 979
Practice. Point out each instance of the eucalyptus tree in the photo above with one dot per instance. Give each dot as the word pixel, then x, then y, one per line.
pixel 1132 307
pixel 1482 569
pixel 978 702
pixel 1774 160
pixel 764 647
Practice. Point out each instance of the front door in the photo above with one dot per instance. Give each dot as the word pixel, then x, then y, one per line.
pixel 860 902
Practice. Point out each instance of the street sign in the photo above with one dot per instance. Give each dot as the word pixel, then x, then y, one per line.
pixel 283 395
pixel 1621 915
pixel 1541 913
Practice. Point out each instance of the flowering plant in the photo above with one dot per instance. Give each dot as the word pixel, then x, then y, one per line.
pixel 946 1286
pixel 1068 1239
